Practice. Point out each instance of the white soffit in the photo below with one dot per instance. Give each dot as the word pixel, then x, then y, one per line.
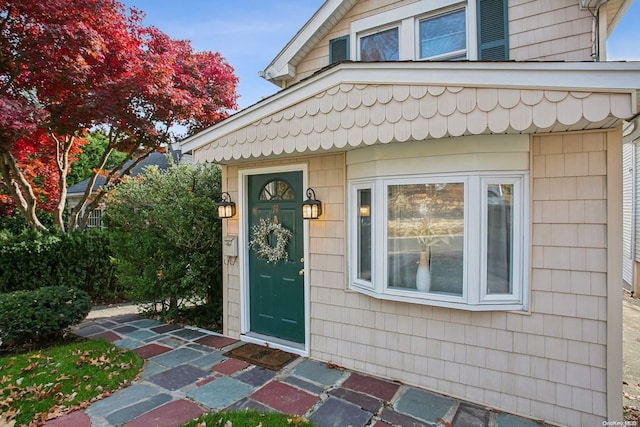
pixel 362 104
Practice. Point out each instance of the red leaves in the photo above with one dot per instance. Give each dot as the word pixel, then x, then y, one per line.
pixel 69 65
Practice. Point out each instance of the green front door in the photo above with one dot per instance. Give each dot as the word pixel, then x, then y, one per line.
pixel 276 289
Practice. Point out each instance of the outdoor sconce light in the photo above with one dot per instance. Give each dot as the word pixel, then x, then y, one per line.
pixel 226 208
pixel 311 208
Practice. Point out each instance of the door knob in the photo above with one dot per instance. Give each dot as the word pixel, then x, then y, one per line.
pixel 301 272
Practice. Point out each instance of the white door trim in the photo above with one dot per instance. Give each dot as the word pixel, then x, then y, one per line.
pixel 243 250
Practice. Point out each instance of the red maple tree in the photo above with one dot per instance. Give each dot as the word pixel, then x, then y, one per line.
pixel 70 65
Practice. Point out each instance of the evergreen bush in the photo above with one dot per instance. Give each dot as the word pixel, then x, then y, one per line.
pixel 32 259
pixel 34 316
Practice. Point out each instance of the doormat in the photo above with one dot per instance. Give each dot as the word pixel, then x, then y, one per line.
pixel 270 358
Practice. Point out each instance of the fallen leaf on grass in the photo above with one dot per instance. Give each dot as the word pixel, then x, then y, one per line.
pixel 444 423
pixel 29 368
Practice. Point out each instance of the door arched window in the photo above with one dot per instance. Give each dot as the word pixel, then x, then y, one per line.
pixel 277 190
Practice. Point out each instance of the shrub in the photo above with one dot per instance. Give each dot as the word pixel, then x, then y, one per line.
pixel 166 236
pixel 32 259
pixel 39 315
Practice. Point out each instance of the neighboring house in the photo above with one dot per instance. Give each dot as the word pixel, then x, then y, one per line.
pixel 631 215
pixel 469 240
pixel 75 193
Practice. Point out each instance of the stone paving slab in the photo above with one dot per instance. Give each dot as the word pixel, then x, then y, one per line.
pixel 508 420
pixel 165 328
pixel 318 372
pixel 107 336
pixel 172 342
pixel 151 350
pixel 230 366
pixel 256 376
pixel 178 377
pixel 89 330
pixel 128 343
pixel 177 357
pixel 140 334
pixel 305 385
pixel 216 341
pixel 220 393
pixel 125 329
pixel 395 418
pixel 364 401
pixel 146 323
pixel 172 414
pixel 424 405
pixel 74 419
pixel 150 369
pixel 249 404
pixel 338 413
pixel 471 416
pixel 209 360
pixel 385 390
pixel 188 334
pixel 285 398
pixel 133 411
pixel 117 400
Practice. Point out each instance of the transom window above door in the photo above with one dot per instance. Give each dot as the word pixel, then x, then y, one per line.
pixel 277 190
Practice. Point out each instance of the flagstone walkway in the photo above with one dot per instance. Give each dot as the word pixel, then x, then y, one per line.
pixel 186 374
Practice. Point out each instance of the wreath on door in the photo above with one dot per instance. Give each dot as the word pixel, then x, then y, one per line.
pixel 261 242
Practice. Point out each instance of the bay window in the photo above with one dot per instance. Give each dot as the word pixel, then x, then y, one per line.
pixel 451 240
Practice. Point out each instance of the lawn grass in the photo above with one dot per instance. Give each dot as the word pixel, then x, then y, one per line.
pixel 247 419
pixel 46 383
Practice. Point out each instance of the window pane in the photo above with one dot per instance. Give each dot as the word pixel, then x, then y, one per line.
pixel 364 234
pixel 277 190
pixel 499 238
pixel 382 46
pixel 443 34
pixel 425 232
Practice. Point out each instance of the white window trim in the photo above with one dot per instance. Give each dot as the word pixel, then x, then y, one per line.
pixel 407 18
pixel 447 55
pixel 390 26
pixel 353 241
pixel 474 296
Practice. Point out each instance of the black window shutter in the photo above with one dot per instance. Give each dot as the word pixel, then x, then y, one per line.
pixel 493 30
pixel 339 49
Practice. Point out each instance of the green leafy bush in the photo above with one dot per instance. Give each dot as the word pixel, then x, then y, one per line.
pixel 32 259
pixel 38 315
pixel 166 236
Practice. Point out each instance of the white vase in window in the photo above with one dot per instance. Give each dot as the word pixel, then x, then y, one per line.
pixel 423 276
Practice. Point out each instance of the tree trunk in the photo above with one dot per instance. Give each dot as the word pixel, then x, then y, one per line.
pixel 63 147
pixel 20 190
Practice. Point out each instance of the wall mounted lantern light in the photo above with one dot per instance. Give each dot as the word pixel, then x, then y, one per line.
pixel 311 208
pixel 226 208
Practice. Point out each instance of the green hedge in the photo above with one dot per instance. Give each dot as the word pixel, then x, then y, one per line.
pixel 81 260
pixel 35 316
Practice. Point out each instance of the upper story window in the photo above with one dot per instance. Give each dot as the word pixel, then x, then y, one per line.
pixel 380 46
pixel 444 34
pixel 429 30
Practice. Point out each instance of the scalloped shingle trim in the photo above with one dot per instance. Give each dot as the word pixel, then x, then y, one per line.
pixel 350 115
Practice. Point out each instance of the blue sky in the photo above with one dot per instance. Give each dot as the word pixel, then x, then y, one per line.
pixel 250 33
